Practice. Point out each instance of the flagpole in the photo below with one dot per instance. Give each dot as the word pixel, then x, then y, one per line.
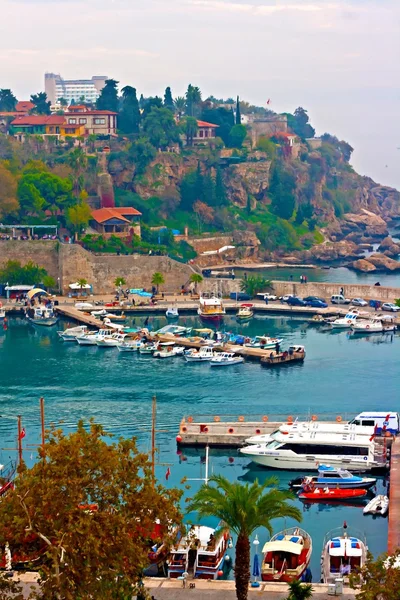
pixel 19 440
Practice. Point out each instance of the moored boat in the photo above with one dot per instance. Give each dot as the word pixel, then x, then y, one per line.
pixel 367 326
pixel 111 341
pixel 168 350
pixel 342 554
pixel 264 342
pixel 42 315
pixel 347 321
pixel 294 354
pixel 377 506
pixel 287 555
pixel 90 339
pixel 332 477
pixel 172 312
pixel 71 334
pixel 330 494
pixel 211 309
pixel 245 313
pixel 201 551
pixel 204 354
pixel 224 359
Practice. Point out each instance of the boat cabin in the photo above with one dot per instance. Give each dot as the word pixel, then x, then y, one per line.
pixel 201 553
pixel 286 555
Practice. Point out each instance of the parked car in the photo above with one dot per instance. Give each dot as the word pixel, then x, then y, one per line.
pixel 239 296
pixel 286 297
pixel 295 301
pixel 311 298
pixel 266 296
pixel 316 303
pixel 339 299
pixel 390 306
pixel 359 302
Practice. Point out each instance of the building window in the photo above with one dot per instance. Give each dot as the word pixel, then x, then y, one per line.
pixel 201 133
pixel 206 133
pixel 72 121
pixel 82 121
pixel 99 121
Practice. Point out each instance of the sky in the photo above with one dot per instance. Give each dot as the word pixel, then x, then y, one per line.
pixel 339 59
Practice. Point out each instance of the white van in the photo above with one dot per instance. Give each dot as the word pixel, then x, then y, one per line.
pixel 383 421
pixel 339 299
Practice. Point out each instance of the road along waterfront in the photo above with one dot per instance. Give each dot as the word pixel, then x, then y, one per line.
pixel 340 374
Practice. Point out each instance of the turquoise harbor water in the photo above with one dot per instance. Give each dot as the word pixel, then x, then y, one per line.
pixel 341 374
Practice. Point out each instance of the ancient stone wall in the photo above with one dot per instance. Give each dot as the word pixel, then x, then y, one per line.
pixel 43 253
pixel 326 290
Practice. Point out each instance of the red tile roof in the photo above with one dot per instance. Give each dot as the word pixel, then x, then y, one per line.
pixel 24 106
pixel 102 215
pixel 39 120
pixel 205 124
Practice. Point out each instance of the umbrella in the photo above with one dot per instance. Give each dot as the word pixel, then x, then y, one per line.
pixel 35 292
pixel 256 566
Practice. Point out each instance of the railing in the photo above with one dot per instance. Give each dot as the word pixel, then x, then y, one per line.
pixel 274 417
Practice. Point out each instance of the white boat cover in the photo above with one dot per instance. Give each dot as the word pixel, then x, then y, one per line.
pixel 283 546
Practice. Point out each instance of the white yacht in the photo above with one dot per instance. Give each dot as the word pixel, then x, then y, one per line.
pixel 367 326
pixel 224 359
pixel 305 450
pixel 317 426
pixel 110 341
pixel 90 339
pixel 347 321
pixel 202 355
pixel 71 334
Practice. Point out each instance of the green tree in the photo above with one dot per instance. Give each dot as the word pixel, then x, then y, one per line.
pixel 8 193
pixel 160 127
pixel 299 123
pixel 193 100
pixel 254 284
pixel 223 118
pixel 180 106
pixel 78 162
pixel 195 278
pixel 142 153
pixel 42 105
pixel 281 191
pixel 14 273
pixel 190 129
pixel 7 100
pixel 78 216
pixel 38 191
pixel 119 282
pixel 63 102
pixel 266 145
pixel 379 579
pixel 108 99
pixel 220 191
pixel 129 118
pixel 168 100
pixel 243 509
pixel 237 136
pixel 238 119
pixel 299 591
pixel 49 282
pixel 91 505
pixel 150 103
pixel 157 280
pixel 189 190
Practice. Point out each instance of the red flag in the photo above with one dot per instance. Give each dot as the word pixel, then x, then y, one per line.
pixel 168 473
pixel 22 434
pixel 374 434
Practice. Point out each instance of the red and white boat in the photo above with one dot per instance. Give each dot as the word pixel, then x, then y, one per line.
pixel 211 309
pixel 287 555
pixel 329 494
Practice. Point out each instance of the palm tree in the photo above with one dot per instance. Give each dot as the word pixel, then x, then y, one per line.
pixel 82 283
pixel 196 278
pixel 190 130
pixel 299 591
pixel 193 100
pixel 119 281
pixel 157 279
pixel 243 508
pixel 180 105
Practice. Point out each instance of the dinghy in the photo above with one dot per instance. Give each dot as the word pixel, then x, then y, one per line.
pixel 378 506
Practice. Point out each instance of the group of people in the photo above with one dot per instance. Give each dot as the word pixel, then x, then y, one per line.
pixel 303 279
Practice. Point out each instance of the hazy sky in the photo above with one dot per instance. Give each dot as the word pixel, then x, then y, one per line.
pixel 339 59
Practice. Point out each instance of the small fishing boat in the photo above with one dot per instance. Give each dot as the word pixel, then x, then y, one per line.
pixel 211 309
pixel 333 477
pixel 90 339
pixel 245 313
pixel 108 323
pixel 172 313
pixel 168 350
pixel 293 355
pixel 224 359
pixel 71 334
pixel 367 326
pixel 115 318
pixel 342 554
pixel 41 315
pixel 128 346
pixel 110 341
pixel 264 342
pixel 377 506
pixel 202 551
pixel 176 330
pixel 99 313
pixel 345 322
pixel 287 555
pixel 202 355
pixel 317 494
pixel 147 347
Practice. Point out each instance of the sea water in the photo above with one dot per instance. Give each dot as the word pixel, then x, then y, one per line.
pixel 342 374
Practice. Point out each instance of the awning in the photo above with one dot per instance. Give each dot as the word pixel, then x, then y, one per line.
pixel 18 288
pixel 283 546
pixel 76 286
pixel 35 292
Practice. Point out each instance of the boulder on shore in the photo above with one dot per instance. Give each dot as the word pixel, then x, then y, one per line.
pixel 389 247
pixel 366 221
pixel 363 265
pixel 384 263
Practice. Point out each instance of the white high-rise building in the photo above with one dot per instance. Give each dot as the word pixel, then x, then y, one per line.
pixel 73 90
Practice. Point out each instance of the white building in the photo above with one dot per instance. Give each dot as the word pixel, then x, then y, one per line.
pixel 73 90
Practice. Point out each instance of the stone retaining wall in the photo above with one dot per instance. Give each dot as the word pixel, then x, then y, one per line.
pixel 326 290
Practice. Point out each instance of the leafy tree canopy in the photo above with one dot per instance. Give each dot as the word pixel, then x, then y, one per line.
pixel 237 136
pixel 14 273
pixel 168 100
pixel 42 105
pixel 299 123
pixel 8 193
pixel 39 191
pixel 79 216
pixel 160 128
pixel 129 117
pixel 142 153
pixel 91 506
pixel 281 191
pixel 223 118
pixel 7 100
pixel 108 99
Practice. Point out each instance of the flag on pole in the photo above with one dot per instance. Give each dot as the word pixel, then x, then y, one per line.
pixel 168 473
pixel 22 434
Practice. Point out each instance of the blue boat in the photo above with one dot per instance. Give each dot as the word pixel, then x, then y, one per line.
pixel 333 477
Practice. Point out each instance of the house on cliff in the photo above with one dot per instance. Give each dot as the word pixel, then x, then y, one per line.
pixel 121 222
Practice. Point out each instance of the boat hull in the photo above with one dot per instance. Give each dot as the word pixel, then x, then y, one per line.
pixel 335 495
pixel 44 322
pixel 310 463
pixel 211 318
